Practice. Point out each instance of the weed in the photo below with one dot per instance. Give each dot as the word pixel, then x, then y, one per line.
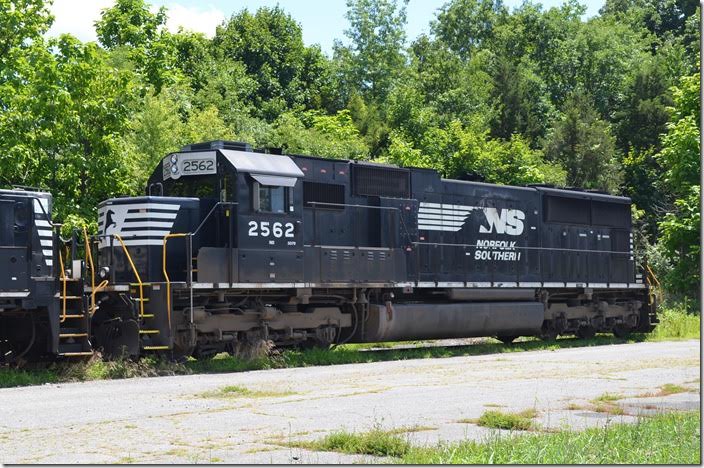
pixel 671 389
pixel 237 391
pixel 521 421
pixel 376 442
pixel 607 398
pixel 608 408
pixel 676 323
pixel 408 429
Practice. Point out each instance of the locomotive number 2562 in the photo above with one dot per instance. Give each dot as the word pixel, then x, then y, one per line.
pixel 266 229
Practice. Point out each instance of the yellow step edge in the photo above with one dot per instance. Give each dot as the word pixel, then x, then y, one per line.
pixel 73 335
pixel 155 348
pixel 73 316
pixel 147 316
pixel 148 332
pixel 70 297
pixel 80 353
pixel 143 284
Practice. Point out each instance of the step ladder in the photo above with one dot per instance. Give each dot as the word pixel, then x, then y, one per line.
pixel 152 333
pixel 74 321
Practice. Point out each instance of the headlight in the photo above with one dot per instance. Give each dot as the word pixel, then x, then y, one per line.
pixel 174 169
pixel 174 159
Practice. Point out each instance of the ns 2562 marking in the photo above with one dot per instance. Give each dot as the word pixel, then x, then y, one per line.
pixel 267 229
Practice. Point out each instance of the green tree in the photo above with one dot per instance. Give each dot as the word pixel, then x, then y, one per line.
pixel 680 235
pixel 459 150
pixel 583 144
pixel 270 45
pixel 60 127
pixel 21 22
pixel 466 25
pixel 321 135
pixel 130 30
pixel 521 101
pixel 129 23
pixel 370 63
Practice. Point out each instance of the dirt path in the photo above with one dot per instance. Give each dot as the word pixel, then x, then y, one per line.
pixel 186 419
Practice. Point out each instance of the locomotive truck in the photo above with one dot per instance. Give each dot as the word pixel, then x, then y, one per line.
pixel 230 245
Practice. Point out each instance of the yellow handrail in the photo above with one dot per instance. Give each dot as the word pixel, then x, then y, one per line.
pixel 136 274
pixel 651 295
pixel 64 281
pixel 93 292
pixel 89 257
pixel 166 275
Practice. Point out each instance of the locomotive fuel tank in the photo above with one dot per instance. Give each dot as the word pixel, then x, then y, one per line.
pixel 403 322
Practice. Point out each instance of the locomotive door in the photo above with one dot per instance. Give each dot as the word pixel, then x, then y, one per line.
pixel 270 234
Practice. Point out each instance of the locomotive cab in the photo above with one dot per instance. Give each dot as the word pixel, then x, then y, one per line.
pixel 249 230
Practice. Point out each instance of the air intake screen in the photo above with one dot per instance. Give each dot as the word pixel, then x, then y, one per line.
pixel 319 192
pixel 611 214
pixel 380 181
pixel 566 210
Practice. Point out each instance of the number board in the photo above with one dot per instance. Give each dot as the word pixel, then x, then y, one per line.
pixel 186 164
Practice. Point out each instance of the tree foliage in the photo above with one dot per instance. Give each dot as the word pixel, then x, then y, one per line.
pixel 507 95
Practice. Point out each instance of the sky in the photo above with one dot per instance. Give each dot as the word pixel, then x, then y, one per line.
pixel 322 21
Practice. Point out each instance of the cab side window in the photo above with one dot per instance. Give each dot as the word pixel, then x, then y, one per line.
pixel 270 198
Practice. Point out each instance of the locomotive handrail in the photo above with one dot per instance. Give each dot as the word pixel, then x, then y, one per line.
pixel 166 274
pixel 136 274
pixel 89 257
pixel 394 208
pixel 64 282
pixel 347 205
pixel 212 210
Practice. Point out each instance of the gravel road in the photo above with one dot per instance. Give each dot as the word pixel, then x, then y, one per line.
pixel 183 420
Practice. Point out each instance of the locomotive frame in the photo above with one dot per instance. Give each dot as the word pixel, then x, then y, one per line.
pixel 231 245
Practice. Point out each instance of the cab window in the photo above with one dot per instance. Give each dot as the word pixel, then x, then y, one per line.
pixel 272 199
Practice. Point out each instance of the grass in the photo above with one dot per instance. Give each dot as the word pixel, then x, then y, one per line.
pixel 237 391
pixel 675 324
pixel 605 403
pixel 667 389
pixel 607 398
pixel 672 438
pixel 671 389
pixel 521 421
pixel 376 442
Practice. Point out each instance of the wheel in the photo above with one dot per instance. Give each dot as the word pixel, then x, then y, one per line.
pixel 506 339
pixel 585 332
pixel 549 334
pixel 620 331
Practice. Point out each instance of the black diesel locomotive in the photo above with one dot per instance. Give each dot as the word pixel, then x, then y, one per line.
pixel 231 245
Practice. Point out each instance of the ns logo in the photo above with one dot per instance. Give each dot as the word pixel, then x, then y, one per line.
pixel 505 221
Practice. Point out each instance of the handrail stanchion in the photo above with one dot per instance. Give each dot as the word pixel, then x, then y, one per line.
pixel 89 257
pixel 166 274
pixel 136 274
pixel 64 282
